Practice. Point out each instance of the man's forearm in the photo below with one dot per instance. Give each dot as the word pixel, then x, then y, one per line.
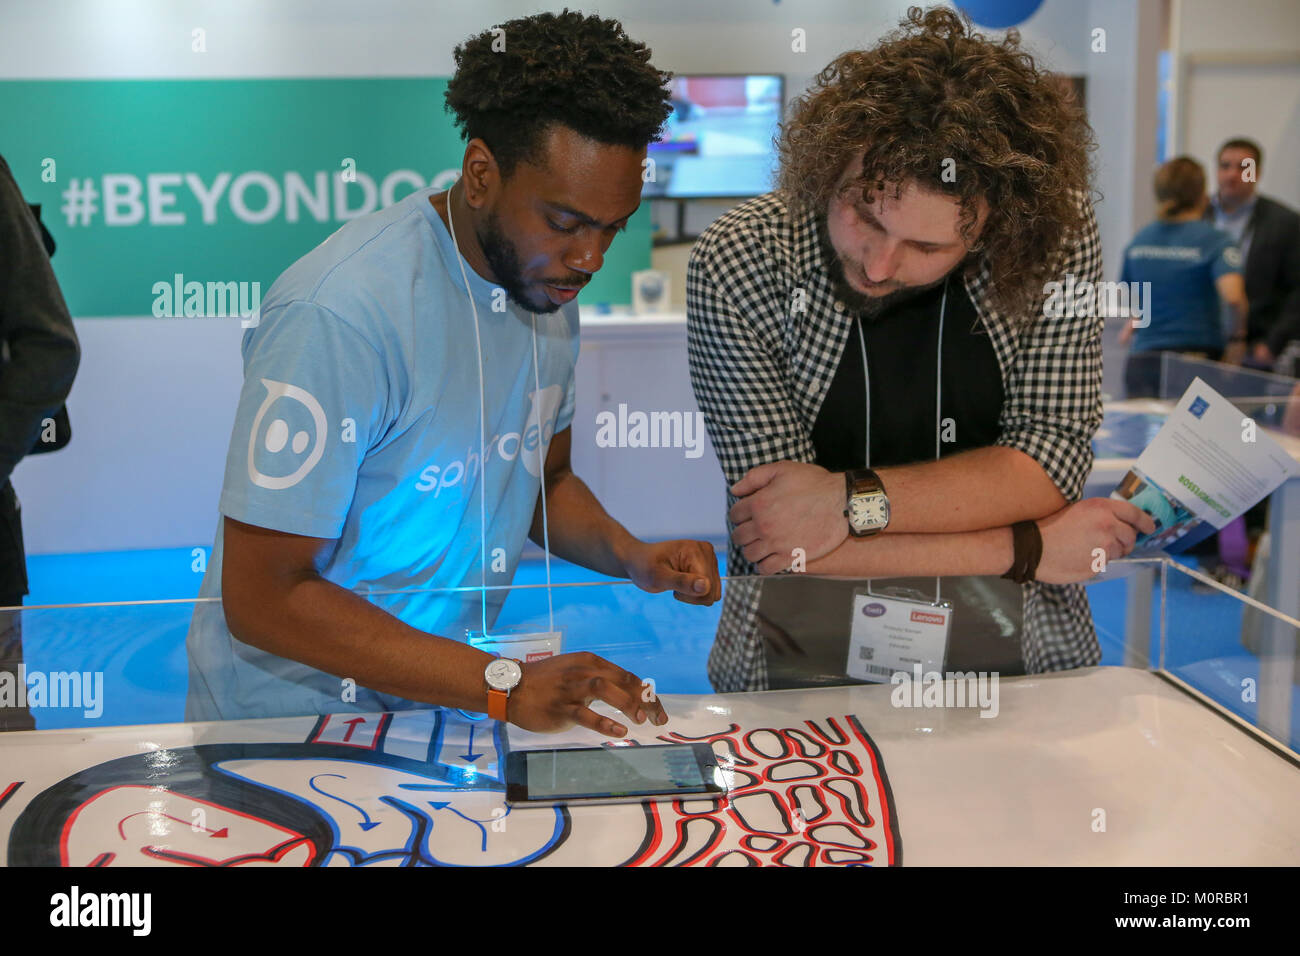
pixel 978 489
pixel 333 630
pixel 985 552
pixel 580 528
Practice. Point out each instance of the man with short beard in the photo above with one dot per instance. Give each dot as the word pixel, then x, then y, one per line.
pixel 1268 234
pixel 886 392
pixel 404 422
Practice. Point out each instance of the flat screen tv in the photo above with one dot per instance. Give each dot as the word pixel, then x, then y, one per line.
pixel 718 141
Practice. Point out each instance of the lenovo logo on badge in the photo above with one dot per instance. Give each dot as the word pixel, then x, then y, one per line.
pixel 925 617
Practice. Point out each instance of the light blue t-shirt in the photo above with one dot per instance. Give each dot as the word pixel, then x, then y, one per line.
pixel 359 421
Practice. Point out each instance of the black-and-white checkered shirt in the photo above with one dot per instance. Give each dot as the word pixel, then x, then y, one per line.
pixel 765 335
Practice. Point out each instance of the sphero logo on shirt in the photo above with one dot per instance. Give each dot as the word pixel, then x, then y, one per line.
pixel 530 446
pixel 298 424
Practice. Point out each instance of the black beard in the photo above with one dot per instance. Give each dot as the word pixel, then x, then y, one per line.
pixel 868 306
pixel 503 259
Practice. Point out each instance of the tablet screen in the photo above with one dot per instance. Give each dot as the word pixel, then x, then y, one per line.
pixel 615 771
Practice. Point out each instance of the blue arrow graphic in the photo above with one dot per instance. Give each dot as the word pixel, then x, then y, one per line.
pixel 470 756
pixel 367 823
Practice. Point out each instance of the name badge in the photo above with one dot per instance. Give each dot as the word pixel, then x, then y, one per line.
pixel 891 634
pixel 527 648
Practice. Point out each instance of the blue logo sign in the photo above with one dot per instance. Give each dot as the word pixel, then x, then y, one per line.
pixel 873 609
pixel 1198 406
pixel 999 14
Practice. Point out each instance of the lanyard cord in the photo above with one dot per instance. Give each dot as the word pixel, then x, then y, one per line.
pixel 482 442
pixel 938 392
pixel 541 470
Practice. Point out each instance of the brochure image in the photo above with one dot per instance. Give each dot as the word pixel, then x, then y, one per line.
pixel 1207 465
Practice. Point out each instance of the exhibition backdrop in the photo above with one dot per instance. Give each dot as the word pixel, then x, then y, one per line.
pixel 228 181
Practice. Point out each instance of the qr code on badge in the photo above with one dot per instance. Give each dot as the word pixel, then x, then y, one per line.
pixel 866 653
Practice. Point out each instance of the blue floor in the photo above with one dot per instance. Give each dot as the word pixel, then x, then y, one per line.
pixel 142 647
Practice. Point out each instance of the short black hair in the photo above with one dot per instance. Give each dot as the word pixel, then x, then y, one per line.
pixel 568 69
pixel 1249 144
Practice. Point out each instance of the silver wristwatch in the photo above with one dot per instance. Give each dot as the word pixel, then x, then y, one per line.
pixel 868 506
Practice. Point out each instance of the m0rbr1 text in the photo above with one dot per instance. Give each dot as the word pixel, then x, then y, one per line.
pixel 1158 899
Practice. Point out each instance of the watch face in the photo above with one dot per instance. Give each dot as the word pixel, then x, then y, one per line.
pixel 869 511
pixel 503 673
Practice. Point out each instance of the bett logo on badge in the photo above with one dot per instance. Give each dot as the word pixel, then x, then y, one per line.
pixel 873 609
pixel 925 617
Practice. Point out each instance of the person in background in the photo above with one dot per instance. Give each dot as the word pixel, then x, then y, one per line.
pixel 40 358
pixel 1268 235
pixel 1191 267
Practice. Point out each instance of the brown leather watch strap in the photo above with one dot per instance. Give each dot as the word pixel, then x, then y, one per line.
pixel 862 480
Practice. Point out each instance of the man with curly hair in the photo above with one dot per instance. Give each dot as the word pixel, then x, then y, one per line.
pixel 404 421
pixel 886 392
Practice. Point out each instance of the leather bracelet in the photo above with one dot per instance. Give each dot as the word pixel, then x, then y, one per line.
pixel 1017 570
pixel 1028 547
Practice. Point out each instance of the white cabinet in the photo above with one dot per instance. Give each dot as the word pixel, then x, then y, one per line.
pixel 673 490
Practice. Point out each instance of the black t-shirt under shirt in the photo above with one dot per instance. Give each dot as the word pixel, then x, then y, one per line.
pixel 901 358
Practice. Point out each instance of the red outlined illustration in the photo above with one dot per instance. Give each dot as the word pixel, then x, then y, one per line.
pixel 8 792
pixel 363 731
pixel 798 797
pixel 85 826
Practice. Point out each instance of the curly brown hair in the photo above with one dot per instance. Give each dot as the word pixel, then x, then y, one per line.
pixel 935 90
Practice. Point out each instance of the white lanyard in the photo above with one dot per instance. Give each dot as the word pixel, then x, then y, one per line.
pixel 938 391
pixel 482 441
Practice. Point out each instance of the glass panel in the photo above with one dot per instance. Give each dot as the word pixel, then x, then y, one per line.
pixel 110 664
pixel 1272 400
pixel 1234 650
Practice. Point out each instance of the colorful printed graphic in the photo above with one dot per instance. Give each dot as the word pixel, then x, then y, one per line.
pixel 1173 519
pixel 424 788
